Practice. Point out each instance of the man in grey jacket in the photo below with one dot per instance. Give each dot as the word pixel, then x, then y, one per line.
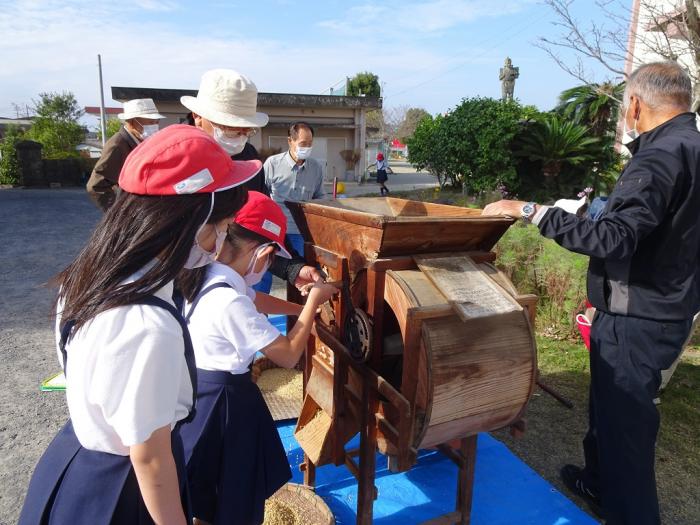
pixel 140 119
pixel 644 280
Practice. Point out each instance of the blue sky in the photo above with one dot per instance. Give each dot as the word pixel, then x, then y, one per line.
pixel 427 53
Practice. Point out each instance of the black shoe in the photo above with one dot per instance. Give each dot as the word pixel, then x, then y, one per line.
pixel 575 480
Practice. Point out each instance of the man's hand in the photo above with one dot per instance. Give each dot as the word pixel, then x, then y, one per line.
pixel 510 208
pixel 307 275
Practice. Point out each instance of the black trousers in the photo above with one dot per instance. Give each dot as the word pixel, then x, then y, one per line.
pixel 627 356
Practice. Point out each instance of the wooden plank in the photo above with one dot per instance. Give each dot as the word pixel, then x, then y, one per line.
pixel 472 293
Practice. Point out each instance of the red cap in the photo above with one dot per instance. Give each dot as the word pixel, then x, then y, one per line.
pixel 262 215
pixel 181 160
pixel 380 156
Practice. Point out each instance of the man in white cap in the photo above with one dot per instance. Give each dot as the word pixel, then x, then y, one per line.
pixel 140 118
pixel 226 108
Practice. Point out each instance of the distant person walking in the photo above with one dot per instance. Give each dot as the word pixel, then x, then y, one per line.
pixel 382 166
pixel 141 120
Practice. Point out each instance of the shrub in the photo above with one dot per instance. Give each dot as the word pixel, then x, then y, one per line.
pixel 540 266
pixel 9 164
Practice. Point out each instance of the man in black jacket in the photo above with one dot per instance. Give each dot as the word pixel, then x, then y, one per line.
pixel 226 108
pixel 644 280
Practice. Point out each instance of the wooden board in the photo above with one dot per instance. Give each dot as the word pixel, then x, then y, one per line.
pixel 470 291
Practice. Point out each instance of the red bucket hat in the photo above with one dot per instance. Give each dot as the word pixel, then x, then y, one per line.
pixel 181 160
pixel 262 215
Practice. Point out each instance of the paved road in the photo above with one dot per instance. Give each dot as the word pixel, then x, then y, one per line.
pixel 405 178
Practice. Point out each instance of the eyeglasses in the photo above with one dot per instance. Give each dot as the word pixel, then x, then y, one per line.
pixel 233 132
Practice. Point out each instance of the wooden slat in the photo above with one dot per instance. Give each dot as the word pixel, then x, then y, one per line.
pixel 466 287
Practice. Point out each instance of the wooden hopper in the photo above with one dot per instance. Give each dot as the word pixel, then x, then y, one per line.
pixel 365 229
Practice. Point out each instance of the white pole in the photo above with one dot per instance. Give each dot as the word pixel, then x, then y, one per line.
pixel 103 124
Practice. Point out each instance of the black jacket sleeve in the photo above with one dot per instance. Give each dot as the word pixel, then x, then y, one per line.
pixel 288 269
pixel 636 207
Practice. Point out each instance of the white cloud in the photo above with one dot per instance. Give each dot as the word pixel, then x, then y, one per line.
pixel 421 17
pixel 53 47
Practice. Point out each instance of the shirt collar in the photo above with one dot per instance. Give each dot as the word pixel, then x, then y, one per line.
pixel 165 292
pixel 218 272
pixel 292 163
pixel 668 127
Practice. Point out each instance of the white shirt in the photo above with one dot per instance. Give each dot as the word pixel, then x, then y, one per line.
pixel 227 330
pixel 127 375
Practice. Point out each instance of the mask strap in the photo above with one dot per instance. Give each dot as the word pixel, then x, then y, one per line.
pixel 199 230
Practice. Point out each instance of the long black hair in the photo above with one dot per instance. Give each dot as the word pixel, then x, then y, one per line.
pixel 136 230
pixel 190 282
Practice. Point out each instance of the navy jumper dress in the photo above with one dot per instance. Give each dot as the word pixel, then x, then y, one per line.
pixel 77 486
pixel 235 458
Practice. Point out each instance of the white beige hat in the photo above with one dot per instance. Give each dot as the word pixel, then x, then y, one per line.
pixel 140 108
pixel 227 98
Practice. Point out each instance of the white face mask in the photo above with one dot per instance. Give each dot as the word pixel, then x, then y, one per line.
pixel 148 130
pixel 232 146
pixel 303 153
pixel 252 277
pixel 629 135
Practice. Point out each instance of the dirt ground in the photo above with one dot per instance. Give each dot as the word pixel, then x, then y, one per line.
pixel 42 230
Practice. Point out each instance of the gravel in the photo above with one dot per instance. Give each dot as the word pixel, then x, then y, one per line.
pixel 41 231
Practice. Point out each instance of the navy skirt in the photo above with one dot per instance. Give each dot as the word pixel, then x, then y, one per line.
pixel 72 484
pixel 381 176
pixel 235 458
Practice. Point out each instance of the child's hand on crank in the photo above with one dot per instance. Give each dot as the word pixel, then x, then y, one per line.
pixel 321 292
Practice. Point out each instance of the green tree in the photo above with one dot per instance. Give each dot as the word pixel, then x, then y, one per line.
pixel 56 124
pixel 410 122
pixel 9 164
pixel 557 144
pixel 471 146
pixel 113 125
pixel 427 149
pixel 595 106
pixel 364 83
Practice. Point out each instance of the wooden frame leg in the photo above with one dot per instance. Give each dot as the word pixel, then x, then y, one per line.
pixel 465 480
pixel 309 472
pixel 366 492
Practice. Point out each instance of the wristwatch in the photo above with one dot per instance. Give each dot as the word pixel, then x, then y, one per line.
pixel 528 211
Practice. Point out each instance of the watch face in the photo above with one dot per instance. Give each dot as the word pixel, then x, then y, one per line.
pixel 528 209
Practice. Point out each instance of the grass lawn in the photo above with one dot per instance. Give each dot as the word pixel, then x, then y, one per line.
pixel 554 432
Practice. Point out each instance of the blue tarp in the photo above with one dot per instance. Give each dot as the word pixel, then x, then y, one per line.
pixel 506 490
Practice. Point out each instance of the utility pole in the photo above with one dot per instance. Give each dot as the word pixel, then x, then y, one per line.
pixel 103 124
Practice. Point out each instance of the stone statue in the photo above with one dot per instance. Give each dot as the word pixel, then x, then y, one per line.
pixel 507 77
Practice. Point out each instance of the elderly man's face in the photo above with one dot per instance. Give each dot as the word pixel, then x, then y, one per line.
pixel 304 140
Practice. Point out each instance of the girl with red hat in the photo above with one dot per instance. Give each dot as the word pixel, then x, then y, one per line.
pixel 382 166
pixel 124 347
pixel 235 458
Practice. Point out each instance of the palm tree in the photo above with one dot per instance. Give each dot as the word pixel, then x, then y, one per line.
pixel 593 105
pixel 556 143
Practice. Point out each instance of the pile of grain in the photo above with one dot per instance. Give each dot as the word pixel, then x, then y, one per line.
pixel 279 513
pixel 282 382
pixel 297 505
